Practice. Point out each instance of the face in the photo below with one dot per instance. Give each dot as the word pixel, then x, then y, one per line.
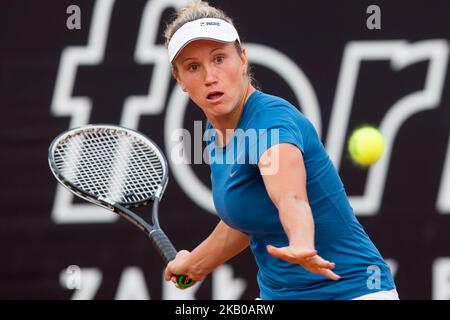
pixel 213 74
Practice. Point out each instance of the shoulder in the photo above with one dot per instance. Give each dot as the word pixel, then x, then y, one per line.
pixel 266 102
pixel 266 109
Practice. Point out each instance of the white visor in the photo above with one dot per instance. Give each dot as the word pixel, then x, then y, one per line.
pixel 206 28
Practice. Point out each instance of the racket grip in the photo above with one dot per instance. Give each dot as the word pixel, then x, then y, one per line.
pixel 168 252
pixel 163 245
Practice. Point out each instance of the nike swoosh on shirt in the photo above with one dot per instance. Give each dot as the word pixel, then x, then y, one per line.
pixel 233 173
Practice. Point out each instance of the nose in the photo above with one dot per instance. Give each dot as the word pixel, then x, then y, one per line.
pixel 209 75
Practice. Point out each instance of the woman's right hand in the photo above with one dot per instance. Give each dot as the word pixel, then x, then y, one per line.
pixel 222 244
pixel 180 266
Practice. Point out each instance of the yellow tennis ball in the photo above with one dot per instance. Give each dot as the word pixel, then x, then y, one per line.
pixel 366 145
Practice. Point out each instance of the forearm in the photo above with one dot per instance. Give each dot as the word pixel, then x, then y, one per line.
pixel 297 220
pixel 221 245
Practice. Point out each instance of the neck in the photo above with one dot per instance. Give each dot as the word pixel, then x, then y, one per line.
pixel 227 123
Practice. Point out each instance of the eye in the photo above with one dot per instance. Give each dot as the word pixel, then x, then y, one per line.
pixel 193 67
pixel 219 59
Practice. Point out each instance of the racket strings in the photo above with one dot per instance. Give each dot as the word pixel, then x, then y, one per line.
pixel 117 166
pixel 89 166
pixel 145 171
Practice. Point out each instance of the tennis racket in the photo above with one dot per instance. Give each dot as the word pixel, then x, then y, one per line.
pixel 117 169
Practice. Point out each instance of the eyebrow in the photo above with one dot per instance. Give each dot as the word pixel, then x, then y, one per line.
pixel 217 48
pixel 184 60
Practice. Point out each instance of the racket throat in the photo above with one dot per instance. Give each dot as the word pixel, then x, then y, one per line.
pixel 158 192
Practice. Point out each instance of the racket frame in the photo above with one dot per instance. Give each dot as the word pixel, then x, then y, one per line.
pixel 154 231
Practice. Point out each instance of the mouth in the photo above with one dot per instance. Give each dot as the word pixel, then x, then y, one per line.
pixel 214 96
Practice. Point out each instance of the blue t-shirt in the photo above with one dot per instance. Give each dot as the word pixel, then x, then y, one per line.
pixel 242 202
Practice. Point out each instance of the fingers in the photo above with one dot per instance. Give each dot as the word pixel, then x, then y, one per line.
pixel 307 254
pixel 309 259
pixel 173 278
pixel 323 267
pixel 176 266
pixel 319 262
pixel 282 253
pixel 167 273
pixel 288 254
pixel 329 274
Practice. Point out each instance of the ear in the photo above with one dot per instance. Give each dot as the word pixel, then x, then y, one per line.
pixel 244 60
pixel 175 75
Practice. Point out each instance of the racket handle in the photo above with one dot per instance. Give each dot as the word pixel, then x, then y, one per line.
pixel 168 252
pixel 163 245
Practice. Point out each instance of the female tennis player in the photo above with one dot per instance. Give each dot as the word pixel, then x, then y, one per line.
pixel 280 193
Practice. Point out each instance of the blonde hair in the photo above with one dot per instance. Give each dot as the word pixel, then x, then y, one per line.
pixel 194 10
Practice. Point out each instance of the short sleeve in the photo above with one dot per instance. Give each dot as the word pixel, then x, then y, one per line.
pixel 273 126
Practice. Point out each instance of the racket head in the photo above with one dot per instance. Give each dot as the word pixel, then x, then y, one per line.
pixel 106 164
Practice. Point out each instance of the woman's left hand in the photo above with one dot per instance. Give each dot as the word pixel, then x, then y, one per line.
pixel 307 258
